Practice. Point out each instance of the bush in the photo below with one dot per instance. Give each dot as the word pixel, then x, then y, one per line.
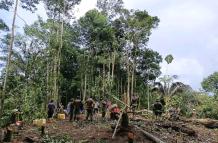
pixel 207 107
pixel 57 139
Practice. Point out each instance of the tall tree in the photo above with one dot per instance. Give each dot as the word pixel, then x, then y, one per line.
pixel 210 84
pixel 58 10
pixel 137 26
pixel 5 4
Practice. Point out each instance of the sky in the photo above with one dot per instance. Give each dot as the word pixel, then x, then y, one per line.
pixel 187 30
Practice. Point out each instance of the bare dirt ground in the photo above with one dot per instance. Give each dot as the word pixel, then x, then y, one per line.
pixel 81 131
pixel 100 131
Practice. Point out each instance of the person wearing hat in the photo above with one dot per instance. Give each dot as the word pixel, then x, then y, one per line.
pixel 103 108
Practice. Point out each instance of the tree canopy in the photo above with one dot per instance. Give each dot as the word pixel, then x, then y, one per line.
pixel 210 84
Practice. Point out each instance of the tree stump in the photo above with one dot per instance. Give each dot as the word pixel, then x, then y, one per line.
pixel 125 121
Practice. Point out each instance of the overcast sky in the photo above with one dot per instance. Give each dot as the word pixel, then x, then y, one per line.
pixel 188 30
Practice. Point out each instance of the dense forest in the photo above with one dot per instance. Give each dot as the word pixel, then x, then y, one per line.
pixel 103 54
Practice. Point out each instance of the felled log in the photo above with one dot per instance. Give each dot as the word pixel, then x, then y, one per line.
pixel 178 128
pixel 31 139
pixel 149 136
pixel 144 110
pixel 208 123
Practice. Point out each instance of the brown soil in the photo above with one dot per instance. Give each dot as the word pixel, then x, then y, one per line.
pixel 86 131
pixel 99 130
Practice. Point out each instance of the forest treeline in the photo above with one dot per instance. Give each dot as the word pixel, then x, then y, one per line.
pixel 103 54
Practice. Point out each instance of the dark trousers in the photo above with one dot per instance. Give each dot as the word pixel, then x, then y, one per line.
pixel 95 110
pixel 76 114
pixel 71 115
pixel 50 114
pixel 89 114
pixel 103 112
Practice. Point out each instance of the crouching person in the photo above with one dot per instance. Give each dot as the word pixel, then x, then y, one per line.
pixel 114 112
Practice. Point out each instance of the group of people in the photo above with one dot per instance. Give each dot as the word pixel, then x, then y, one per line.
pixel 76 107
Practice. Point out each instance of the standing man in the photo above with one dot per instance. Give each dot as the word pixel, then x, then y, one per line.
pixel 134 103
pixel 96 107
pixel 103 108
pixel 77 104
pixel 51 109
pixel 89 108
pixel 158 108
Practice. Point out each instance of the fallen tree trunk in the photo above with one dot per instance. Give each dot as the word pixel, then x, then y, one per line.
pixel 178 128
pixel 142 112
pixel 208 123
pixel 149 136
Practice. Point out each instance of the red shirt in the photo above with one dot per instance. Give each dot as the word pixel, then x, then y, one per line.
pixel 116 110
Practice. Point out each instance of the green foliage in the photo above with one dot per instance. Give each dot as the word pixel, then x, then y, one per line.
pixel 185 101
pixel 6 4
pixel 210 84
pixel 111 7
pixel 207 106
pixel 169 59
pixel 30 5
pixel 99 51
pixel 3 26
pixel 57 139
pixel 148 64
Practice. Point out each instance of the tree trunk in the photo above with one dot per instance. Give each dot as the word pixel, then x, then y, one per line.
pixel 47 85
pixel 56 59
pixel 113 65
pixel 10 48
pixel 84 94
pixel 121 86
pixel 128 85
pixel 109 68
pixel 103 80
pixel 150 136
pixel 55 79
pixel 148 97
pixel 132 82
pixel 59 53
pixel 81 86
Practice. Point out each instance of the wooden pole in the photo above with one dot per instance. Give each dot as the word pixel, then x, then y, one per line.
pixel 150 136
pixel 121 101
pixel 118 122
